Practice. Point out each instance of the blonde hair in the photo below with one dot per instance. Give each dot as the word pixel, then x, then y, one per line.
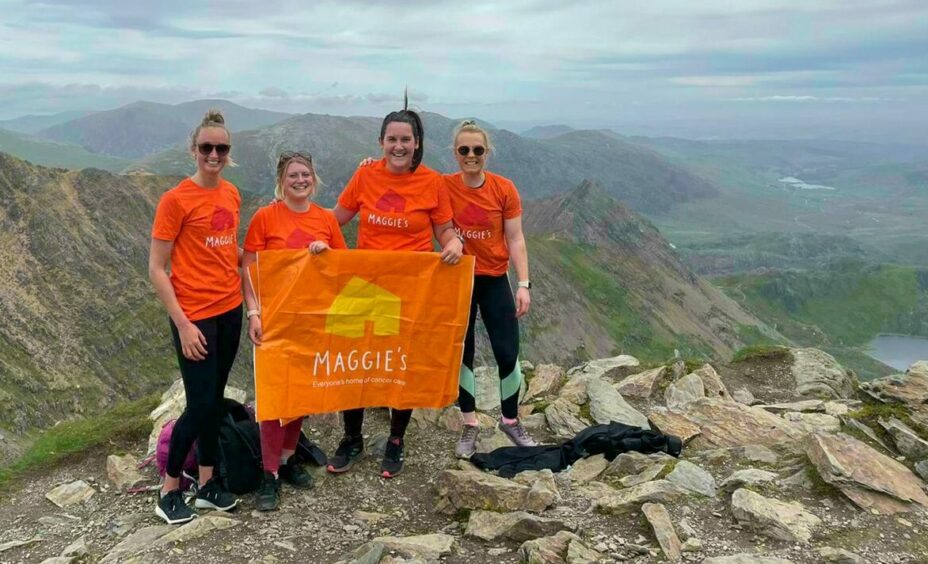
pixel 284 162
pixel 212 118
pixel 470 126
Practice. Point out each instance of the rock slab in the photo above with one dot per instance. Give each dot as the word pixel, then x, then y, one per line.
pixel 666 536
pixel 72 493
pixel 780 520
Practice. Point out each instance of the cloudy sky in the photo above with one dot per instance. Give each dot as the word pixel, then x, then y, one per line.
pixel 733 68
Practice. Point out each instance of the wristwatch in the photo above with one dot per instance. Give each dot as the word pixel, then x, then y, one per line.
pixel 527 284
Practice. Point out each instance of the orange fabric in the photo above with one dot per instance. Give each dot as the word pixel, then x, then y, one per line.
pixel 276 226
pixel 349 329
pixel 396 211
pixel 203 225
pixel 479 215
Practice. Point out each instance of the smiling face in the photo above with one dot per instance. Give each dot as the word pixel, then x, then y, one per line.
pixel 471 162
pixel 299 182
pixel 398 146
pixel 212 163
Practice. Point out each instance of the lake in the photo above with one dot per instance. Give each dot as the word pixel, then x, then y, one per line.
pixel 898 351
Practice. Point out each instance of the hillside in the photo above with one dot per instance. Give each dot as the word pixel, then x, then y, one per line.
pixel 839 308
pixel 33 123
pixel 608 283
pixel 640 177
pixel 53 153
pixel 142 128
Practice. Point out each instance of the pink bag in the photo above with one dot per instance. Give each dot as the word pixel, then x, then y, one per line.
pixel 161 456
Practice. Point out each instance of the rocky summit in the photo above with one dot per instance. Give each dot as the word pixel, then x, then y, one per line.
pixel 752 485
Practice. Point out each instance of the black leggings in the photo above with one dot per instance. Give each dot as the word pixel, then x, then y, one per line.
pixel 204 385
pixel 493 296
pixel 399 420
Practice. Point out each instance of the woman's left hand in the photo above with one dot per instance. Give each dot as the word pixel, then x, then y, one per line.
pixel 317 247
pixel 452 251
pixel 523 301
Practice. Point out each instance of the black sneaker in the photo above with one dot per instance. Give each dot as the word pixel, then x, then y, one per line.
pixel 268 496
pixel 173 509
pixel 212 496
pixel 392 463
pixel 296 475
pixel 347 452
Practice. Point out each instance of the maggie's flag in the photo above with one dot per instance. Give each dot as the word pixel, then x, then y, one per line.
pixel 348 329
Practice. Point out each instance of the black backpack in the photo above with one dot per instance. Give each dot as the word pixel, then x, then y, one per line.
pixel 239 467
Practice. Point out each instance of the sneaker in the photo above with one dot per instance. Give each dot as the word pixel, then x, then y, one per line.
pixel 296 475
pixel 212 496
pixel 392 463
pixel 467 444
pixel 268 496
pixel 347 452
pixel 517 434
pixel 173 509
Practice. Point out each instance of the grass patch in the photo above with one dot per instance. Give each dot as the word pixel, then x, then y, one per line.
pixel 540 406
pixel 871 413
pixel 128 421
pixel 820 487
pixel 761 352
pixel 585 412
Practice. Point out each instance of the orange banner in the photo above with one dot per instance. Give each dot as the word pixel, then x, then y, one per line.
pixel 348 329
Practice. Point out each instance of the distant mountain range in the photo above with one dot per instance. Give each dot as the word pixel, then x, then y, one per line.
pixel 141 128
pixel 55 154
pixel 34 123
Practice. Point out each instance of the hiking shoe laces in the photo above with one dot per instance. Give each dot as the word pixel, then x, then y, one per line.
pixel 517 434
pixel 173 509
pixel 296 475
pixel 392 463
pixel 268 496
pixel 349 449
pixel 467 444
pixel 211 495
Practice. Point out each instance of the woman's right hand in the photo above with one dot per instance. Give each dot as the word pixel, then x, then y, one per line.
pixel 255 329
pixel 192 342
pixel 367 162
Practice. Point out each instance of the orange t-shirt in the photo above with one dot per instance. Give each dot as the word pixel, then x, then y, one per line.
pixel 203 224
pixel 276 226
pixel 479 215
pixel 397 211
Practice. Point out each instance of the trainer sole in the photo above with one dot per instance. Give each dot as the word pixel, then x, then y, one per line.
pixel 164 516
pixel 206 504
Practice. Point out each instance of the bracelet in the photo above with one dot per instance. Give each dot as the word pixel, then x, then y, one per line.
pixel 252 312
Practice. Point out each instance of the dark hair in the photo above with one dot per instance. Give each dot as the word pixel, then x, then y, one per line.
pixel 418 133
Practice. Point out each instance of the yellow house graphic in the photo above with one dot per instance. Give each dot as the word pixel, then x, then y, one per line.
pixel 361 302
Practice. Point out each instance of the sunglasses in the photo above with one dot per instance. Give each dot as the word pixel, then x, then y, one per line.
pixel 478 150
pixel 287 155
pixel 207 148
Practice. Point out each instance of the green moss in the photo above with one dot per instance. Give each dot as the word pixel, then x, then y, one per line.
pixel 585 412
pixel 820 487
pixel 871 413
pixel 540 406
pixel 124 422
pixel 667 470
pixel 762 352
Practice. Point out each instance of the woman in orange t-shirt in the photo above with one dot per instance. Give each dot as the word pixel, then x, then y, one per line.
pixel 488 215
pixel 195 231
pixel 291 222
pixel 402 205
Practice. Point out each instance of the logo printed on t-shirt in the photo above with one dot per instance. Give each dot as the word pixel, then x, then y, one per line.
pixel 474 223
pixel 391 202
pixel 222 219
pixel 299 239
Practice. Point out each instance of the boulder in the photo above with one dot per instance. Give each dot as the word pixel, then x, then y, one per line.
pixel 746 559
pixel 646 475
pixel 516 526
pixel 905 438
pixel 198 528
pixel 564 418
pixel 603 366
pixel 812 422
pixel 71 493
pixel 10 545
pixel 77 549
pixel 812 405
pixel 839 556
pixel 712 382
pixel 428 547
pixel 588 469
pixel 136 542
pixel 546 380
pixel 610 500
pixel 910 389
pixel 683 391
pixel 780 520
pixel 748 477
pixel 542 482
pixel 561 548
pixel 460 489
pixel 666 536
pixel 723 423
pixel 123 471
pixel 574 391
pixel 743 395
pixel 367 553
pixel 641 385
pixel 921 468
pixel 608 405
pixel 872 480
pixel 670 423
pixel 629 463
pixel 492 439
pixel 755 453
pixel 487 380
pixel 818 374
pixel 692 478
